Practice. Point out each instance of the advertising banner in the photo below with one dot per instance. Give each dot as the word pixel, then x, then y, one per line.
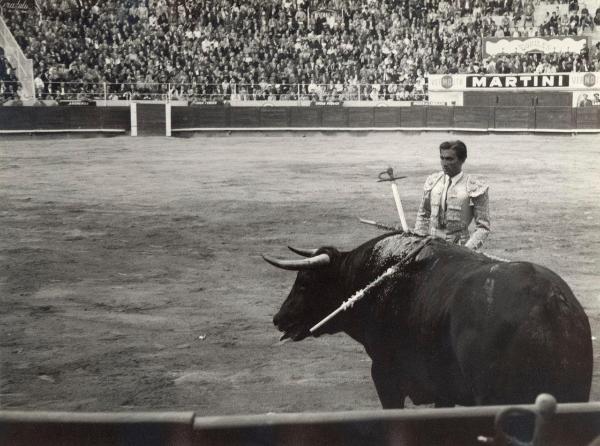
pixel 526 81
pixel 450 89
pixel 494 46
pixel 518 81
pixel 19 5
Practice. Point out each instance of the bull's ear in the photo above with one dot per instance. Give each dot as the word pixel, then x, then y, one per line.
pixel 303 252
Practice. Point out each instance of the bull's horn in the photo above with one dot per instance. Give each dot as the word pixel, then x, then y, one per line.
pixel 303 252
pixel 298 265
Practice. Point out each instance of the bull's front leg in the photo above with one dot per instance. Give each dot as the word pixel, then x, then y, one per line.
pixel 389 384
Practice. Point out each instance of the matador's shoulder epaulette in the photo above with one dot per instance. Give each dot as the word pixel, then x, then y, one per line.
pixel 432 180
pixel 476 186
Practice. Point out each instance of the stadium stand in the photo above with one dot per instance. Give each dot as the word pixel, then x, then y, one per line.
pixel 281 49
pixel 9 84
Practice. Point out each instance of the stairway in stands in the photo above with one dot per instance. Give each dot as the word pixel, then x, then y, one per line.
pixel 15 56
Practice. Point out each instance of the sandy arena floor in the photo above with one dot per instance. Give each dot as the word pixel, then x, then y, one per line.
pixel 130 268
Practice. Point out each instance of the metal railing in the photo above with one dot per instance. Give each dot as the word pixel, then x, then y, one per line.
pixel 203 93
pixel 9 90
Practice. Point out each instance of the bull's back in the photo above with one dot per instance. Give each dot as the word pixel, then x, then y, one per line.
pixel 518 331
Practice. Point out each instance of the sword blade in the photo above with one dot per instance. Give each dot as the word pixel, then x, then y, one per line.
pixel 399 207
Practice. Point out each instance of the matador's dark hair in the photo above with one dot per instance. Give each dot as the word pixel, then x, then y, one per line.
pixel 458 146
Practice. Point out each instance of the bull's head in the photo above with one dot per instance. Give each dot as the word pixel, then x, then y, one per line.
pixel 313 295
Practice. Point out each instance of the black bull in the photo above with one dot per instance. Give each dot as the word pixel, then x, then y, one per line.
pixel 450 326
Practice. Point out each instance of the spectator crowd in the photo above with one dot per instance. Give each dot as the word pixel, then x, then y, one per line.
pixel 8 81
pixel 284 49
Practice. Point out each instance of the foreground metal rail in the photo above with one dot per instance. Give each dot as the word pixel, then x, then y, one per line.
pixel 573 424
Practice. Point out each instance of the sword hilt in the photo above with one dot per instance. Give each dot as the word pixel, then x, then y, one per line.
pixel 390 176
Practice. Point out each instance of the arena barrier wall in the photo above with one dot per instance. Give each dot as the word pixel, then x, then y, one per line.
pixel 168 119
pixel 572 425
pixel 64 119
pixel 417 118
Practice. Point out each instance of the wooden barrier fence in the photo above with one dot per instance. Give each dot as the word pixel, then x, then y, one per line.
pixel 150 119
pixel 572 425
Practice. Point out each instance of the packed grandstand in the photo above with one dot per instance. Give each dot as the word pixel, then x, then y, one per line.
pixel 280 49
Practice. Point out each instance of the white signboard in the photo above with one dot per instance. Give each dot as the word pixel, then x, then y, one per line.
pixel 521 45
pixel 518 82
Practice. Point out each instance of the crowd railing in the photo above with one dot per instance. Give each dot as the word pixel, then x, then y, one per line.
pixel 226 92
pixel 9 89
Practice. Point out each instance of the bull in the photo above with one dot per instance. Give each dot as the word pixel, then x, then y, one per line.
pixel 450 326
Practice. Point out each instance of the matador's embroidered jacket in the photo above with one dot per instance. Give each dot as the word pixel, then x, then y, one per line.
pixel 467 200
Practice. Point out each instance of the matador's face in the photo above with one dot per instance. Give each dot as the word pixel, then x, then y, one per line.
pixel 451 164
